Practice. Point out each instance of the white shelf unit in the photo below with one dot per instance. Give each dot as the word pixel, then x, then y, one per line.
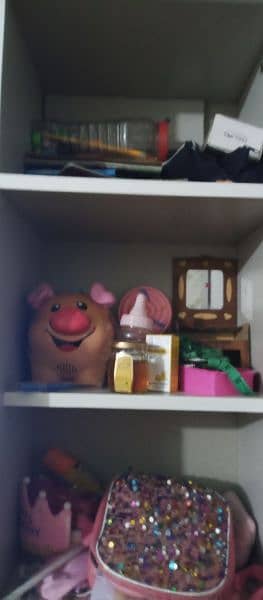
pixel 72 231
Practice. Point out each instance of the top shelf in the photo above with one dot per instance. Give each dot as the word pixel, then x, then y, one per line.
pixel 136 210
pixel 147 49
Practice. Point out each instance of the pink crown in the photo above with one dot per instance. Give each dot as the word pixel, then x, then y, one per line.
pixel 42 532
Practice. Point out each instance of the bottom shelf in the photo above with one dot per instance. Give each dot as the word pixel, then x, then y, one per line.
pixel 103 399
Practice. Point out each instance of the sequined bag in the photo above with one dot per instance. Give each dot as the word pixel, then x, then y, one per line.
pixel 157 539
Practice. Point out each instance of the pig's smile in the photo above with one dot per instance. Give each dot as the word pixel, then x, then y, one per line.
pixel 68 345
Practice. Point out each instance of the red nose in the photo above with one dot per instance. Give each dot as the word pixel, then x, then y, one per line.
pixel 70 321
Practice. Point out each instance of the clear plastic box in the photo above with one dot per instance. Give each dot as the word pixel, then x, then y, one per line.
pixel 132 139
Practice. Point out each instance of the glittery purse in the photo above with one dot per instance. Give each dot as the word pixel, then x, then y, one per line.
pixel 157 539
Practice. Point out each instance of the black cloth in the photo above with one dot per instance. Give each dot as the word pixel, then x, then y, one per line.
pixel 192 163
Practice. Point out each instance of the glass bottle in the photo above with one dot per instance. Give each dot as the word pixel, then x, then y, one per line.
pixel 128 368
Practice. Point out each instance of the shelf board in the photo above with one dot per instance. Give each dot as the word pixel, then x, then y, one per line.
pixel 132 210
pixel 102 399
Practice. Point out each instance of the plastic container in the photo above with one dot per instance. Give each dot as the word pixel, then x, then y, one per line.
pixel 128 371
pixel 158 307
pixel 136 140
pixel 135 324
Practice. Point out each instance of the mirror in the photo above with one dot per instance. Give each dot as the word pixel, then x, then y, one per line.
pixel 205 293
pixel 204 289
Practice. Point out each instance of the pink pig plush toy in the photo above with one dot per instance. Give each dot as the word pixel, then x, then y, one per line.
pixel 70 335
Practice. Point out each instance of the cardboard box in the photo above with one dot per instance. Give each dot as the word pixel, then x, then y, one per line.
pixel 164 362
pixel 206 382
pixel 229 134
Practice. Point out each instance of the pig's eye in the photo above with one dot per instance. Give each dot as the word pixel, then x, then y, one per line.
pixel 55 307
pixel 81 305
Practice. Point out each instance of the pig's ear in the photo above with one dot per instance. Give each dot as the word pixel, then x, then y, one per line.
pixel 39 295
pixel 99 294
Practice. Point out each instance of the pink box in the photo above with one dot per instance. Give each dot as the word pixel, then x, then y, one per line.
pixel 205 382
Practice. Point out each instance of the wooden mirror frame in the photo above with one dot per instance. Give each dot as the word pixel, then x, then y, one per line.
pixel 195 319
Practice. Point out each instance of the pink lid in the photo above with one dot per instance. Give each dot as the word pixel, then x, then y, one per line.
pixel 157 307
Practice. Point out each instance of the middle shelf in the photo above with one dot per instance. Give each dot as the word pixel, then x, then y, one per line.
pixel 102 399
pixel 130 210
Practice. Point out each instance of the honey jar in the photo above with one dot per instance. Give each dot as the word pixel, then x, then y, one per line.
pixel 128 367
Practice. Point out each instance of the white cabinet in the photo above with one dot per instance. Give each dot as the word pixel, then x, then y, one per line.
pixel 57 58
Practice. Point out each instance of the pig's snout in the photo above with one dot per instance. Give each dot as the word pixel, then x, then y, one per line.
pixel 70 321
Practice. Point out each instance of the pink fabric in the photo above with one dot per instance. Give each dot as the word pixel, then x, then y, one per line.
pixel 42 532
pixel 45 525
pixel 55 586
pixel 244 529
pixel 241 584
pixel 91 540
